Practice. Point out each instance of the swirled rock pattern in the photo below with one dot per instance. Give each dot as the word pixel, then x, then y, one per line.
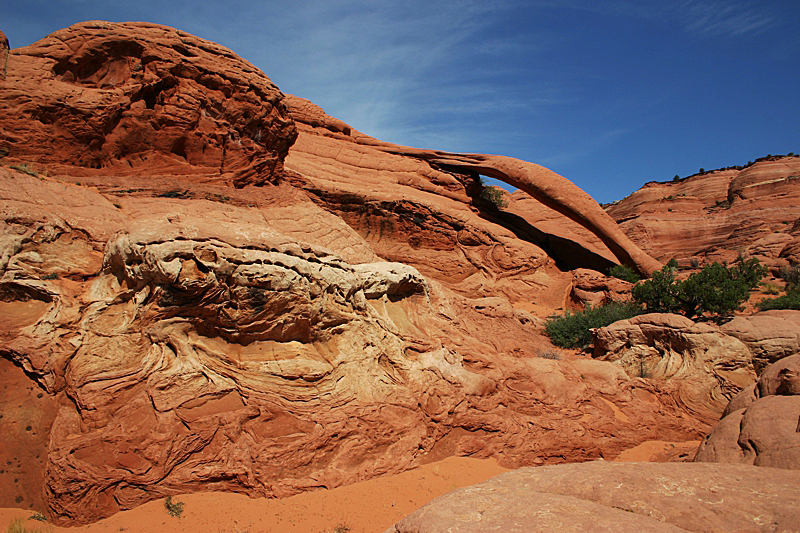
pixel 219 287
pixel 192 345
pixel 710 366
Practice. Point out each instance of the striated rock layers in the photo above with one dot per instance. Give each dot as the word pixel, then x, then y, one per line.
pixel 207 306
pixel 711 363
pixel 618 498
pixel 194 346
pixel 717 215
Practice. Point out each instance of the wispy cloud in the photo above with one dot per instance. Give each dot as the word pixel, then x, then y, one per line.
pixel 724 18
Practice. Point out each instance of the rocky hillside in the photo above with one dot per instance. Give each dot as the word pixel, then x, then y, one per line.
pixel 715 215
pixel 206 284
pixel 211 285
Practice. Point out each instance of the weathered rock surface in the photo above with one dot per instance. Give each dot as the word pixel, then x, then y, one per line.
pixel 710 366
pixel 760 426
pixel 209 306
pixel 594 289
pixel 198 347
pixel 717 215
pixel 618 497
pixel 770 335
pixel 137 96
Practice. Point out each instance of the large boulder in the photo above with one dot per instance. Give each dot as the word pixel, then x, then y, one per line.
pixel 760 426
pixel 617 498
pixel 710 366
pixel 770 335
pixel 130 96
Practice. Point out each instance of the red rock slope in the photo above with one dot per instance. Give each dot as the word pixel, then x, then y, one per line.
pixel 206 306
pixel 717 214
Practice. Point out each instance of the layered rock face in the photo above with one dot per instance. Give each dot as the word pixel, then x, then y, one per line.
pixel 712 363
pixel 195 346
pixel 717 215
pixel 359 312
pixel 137 96
pixel 618 497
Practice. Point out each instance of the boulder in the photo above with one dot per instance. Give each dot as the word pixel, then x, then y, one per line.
pixel 770 335
pixel 710 366
pixel 760 426
pixel 618 497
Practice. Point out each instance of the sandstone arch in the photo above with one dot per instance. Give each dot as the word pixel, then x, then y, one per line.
pixel 549 188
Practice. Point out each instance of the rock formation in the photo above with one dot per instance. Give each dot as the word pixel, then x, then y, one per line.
pixel 710 366
pixel 718 214
pixel 618 498
pixel 545 186
pixel 760 425
pixel 134 97
pixel 218 287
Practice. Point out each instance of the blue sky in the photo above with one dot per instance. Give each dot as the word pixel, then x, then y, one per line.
pixel 610 94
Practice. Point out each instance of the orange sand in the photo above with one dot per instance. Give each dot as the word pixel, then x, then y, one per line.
pixel 368 507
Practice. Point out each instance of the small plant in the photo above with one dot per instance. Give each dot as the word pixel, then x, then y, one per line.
pixel 549 354
pixel 38 516
pixel 624 272
pixel 694 262
pixel 51 275
pixel 18 526
pixel 27 168
pixel 494 195
pixel 770 288
pixel 791 275
pixel 341 528
pixel 173 509
pixel 573 330
pixel 790 300
pixel 676 179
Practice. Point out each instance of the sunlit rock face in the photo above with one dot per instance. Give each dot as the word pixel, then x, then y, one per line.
pixel 218 287
pixel 717 215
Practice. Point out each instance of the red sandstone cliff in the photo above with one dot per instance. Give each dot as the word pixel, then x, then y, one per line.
pixel 718 214
pixel 214 286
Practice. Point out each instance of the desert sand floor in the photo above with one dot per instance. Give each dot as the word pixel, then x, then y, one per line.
pixel 367 507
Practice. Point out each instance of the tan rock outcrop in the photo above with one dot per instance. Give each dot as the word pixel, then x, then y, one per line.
pixel 710 366
pixel 618 497
pixel 759 427
pixel 193 345
pixel 594 289
pixel 770 335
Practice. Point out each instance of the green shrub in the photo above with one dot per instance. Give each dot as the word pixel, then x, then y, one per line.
pixel 624 272
pixel 27 168
pixel 18 525
pixel 791 275
pixel 716 289
pixel 494 195
pixel 571 330
pixel 790 300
